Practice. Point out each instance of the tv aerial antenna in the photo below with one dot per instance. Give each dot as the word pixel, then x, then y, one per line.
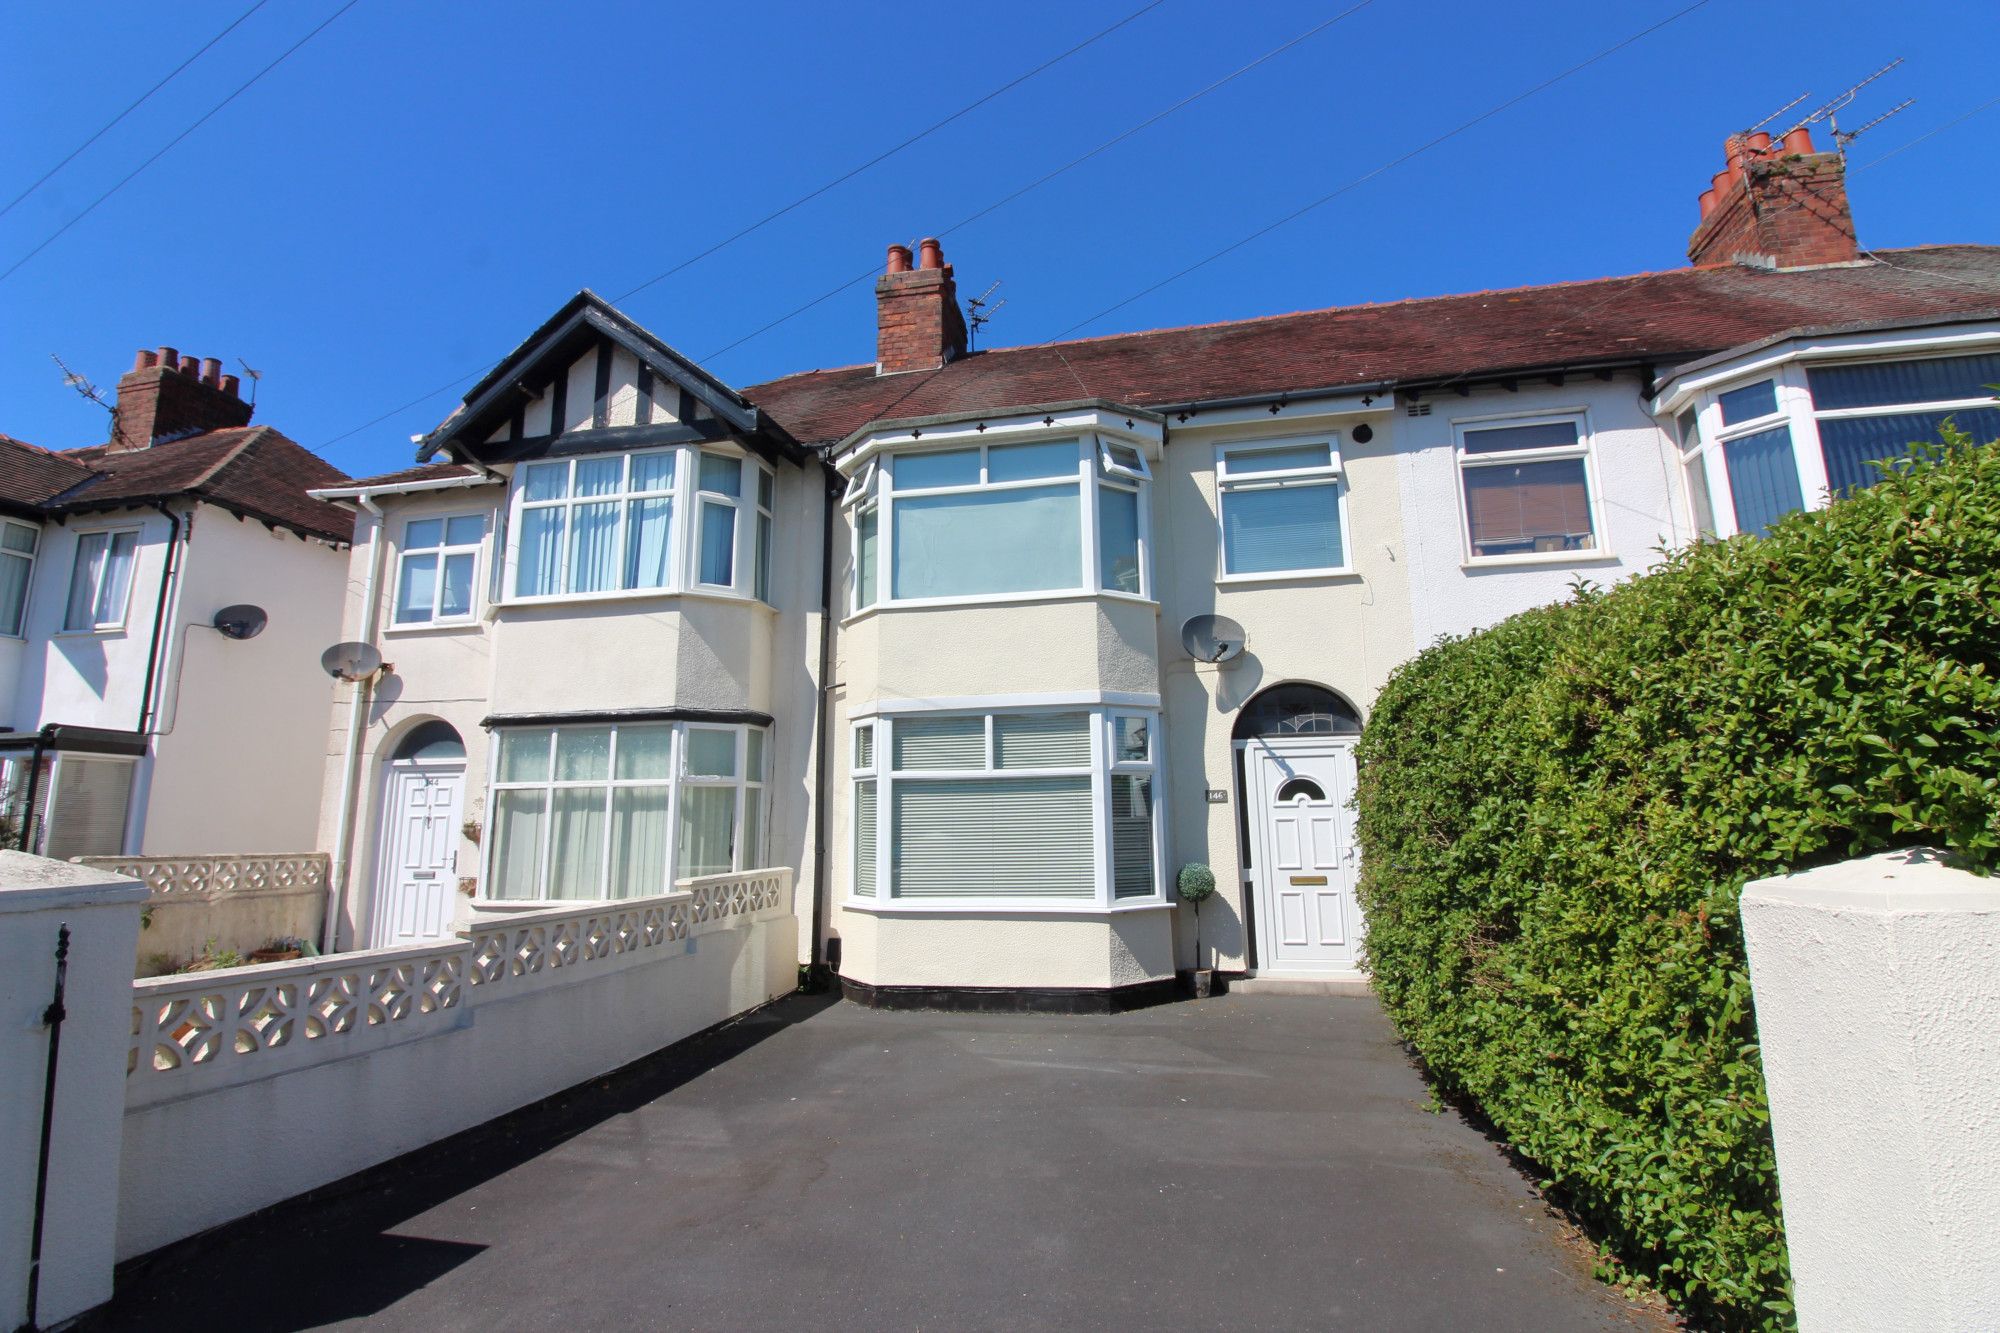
pixel 256 377
pixel 980 311
pixel 1830 113
pixel 80 384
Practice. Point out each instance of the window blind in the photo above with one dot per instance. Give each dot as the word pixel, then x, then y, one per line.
pixel 1763 478
pixel 88 816
pixel 993 838
pixel 1027 540
pixel 864 839
pixel 1528 507
pixel 1885 383
pixel 1851 444
pixel 1293 527
pixel 1042 740
pixel 1131 836
pixel 940 742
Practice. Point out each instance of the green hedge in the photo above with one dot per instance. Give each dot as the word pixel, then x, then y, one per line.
pixel 1559 813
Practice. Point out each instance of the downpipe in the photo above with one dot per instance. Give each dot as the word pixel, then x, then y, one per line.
pixel 357 716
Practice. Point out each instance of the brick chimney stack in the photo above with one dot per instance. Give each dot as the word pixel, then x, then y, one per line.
pixel 1786 204
pixel 166 396
pixel 918 325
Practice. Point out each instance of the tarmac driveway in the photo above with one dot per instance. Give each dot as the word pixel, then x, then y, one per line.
pixel 1259 1161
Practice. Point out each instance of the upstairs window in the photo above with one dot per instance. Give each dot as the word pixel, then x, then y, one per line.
pixel 18 542
pixel 1873 411
pixel 608 524
pixel 437 569
pixel 999 520
pixel 100 584
pixel 1526 487
pixel 1281 509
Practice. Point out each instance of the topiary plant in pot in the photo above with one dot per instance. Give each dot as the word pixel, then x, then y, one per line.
pixel 1196 885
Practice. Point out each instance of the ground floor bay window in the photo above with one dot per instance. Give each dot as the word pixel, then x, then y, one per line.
pixel 623 810
pixel 1045 808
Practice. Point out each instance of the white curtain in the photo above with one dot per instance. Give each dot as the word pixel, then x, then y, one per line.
pixel 638 841
pixel 576 843
pixel 456 598
pixel 416 589
pixel 83 581
pixel 593 548
pixel 540 571
pixel 518 819
pixel 649 543
pixel 708 824
pixel 14 571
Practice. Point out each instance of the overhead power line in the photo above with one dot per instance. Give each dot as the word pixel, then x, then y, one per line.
pixel 1046 177
pixel 205 117
pixel 43 179
pixel 803 199
pixel 1987 105
pixel 1390 165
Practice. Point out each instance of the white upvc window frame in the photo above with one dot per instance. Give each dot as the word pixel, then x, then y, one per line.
pixel 873 485
pixel 110 535
pixel 1792 408
pixel 1816 415
pixel 684 532
pixel 1585 449
pixel 30 557
pixel 443 550
pixel 1227 483
pixel 1103 766
pixel 748 792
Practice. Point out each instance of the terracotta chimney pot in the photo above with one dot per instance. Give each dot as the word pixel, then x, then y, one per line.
pixel 145 360
pixel 899 259
pixel 231 386
pixel 169 358
pixel 930 253
pixel 1799 141
pixel 211 371
pixel 1707 202
pixel 1760 144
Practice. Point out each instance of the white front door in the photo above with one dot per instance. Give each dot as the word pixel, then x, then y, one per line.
pixel 419 854
pixel 1305 854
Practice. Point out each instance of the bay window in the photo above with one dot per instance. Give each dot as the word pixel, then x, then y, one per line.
pixel 1873 411
pixel 1806 431
pixel 18 542
pixel 100 583
pixel 1281 507
pixel 622 810
pixel 999 520
pixel 1526 486
pixel 436 569
pixel 609 524
pixel 1046 806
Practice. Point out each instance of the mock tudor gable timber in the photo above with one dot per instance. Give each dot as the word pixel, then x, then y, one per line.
pixel 589 381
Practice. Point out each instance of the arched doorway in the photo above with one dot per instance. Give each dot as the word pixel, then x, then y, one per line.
pixel 423 797
pixel 1295 778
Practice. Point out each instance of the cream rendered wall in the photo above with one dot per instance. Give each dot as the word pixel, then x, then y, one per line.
pixel 1639 502
pixel 443 673
pixel 1061 644
pixel 240 726
pixel 1343 632
pixel 655 651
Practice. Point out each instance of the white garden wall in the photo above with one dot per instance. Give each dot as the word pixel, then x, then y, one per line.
pixel 324 1067
pixel 1877 985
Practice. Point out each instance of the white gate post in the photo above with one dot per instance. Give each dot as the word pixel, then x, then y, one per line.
pixel 80 1224
pixel 1877 986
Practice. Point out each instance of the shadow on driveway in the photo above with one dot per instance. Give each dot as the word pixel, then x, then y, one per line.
pixel 1245 1160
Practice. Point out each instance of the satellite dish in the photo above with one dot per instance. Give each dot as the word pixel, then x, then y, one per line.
pixel 1212 638
pixel 242 621
pixel 351 661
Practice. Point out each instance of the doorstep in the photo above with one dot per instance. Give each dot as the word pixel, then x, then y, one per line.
pixel 1301 983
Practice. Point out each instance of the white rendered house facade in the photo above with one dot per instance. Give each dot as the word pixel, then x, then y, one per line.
pixel 915 629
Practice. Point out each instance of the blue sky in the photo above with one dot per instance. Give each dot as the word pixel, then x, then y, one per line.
pixel 406 197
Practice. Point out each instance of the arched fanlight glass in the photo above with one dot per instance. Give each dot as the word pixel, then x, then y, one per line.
pixel 1295 788
pixel 433 741
pixel 1297 710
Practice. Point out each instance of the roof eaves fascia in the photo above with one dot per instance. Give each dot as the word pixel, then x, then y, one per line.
pixel 892 425
pixel 335 494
